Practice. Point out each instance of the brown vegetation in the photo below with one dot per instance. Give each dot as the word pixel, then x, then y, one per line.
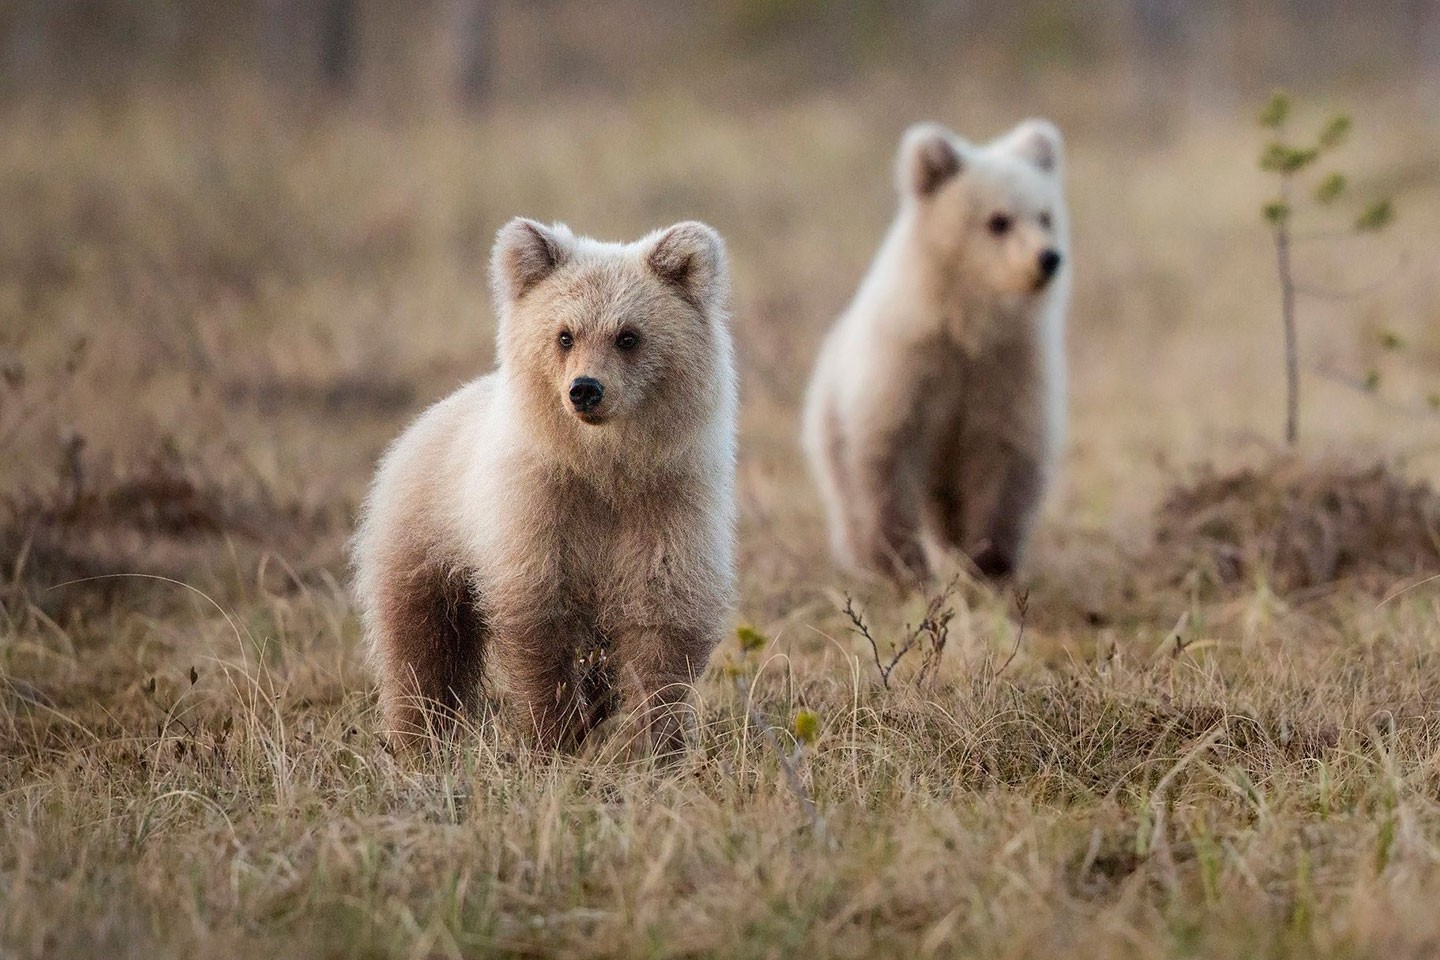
pixel 1295 525
pixel 1219 734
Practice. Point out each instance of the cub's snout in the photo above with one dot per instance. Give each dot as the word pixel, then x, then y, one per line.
pixel 1050 261
pixel 586 394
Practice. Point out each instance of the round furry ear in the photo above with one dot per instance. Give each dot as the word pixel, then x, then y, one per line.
pixel 929 156
pixel 1038 141
pixel 690 258
pixel 526 253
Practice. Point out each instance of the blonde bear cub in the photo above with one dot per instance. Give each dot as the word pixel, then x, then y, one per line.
pixel 561 530
pixel 937 405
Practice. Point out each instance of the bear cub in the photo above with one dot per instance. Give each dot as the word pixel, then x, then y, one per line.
pixel 561 531
pixel 937 404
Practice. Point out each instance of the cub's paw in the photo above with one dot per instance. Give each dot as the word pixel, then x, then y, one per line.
pixel 994 564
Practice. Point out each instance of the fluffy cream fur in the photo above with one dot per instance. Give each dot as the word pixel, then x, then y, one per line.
pixel 937 405
pixel 580 563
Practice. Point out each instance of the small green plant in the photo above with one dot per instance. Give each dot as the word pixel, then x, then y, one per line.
pixel 807 726
pixel 1288 161
pixel 750 639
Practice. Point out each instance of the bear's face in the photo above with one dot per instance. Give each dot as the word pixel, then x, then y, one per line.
pixel 612 338
pixel 994 215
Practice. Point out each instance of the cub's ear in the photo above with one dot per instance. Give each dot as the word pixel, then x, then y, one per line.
pixel 690 257
pixel 526 253
pixel 929 156
pixel 1038 141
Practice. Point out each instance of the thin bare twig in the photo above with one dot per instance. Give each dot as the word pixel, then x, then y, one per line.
pixel 938 629
pixel 934 624
pixel 858 622
pixel 1022 607
pixel 1287 311
pixel 1317 292
pixel 1360 386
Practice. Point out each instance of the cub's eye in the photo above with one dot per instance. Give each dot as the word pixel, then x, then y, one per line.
pixel 1045 221
pixel 627 340
pixel 999 224
pixel 566 341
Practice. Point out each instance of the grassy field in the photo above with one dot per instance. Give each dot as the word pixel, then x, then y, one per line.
pixel 1213 731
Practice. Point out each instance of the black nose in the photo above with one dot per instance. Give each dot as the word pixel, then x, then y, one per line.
pixel 585 393
pixel 1049 263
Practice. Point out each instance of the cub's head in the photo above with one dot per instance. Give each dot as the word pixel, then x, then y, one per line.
pixel 615 343
pixel 993 215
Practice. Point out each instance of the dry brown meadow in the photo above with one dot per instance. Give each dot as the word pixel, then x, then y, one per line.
pixel 1218 734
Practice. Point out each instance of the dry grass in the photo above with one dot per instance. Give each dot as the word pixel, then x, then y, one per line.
pixel 211 319
pixel 1299 526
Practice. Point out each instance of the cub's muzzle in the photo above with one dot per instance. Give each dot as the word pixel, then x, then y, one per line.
pixel 1049 262
pixel 586 394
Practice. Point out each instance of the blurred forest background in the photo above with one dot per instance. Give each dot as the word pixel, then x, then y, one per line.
pixel 430 54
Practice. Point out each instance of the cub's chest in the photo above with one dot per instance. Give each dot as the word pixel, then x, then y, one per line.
pixel 589 531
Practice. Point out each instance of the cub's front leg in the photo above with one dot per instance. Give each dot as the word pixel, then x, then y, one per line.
pixel 1018 486
pixel 538 641
pixel 884 511
pixel 882 502
pixel 658 669
pixel 666 616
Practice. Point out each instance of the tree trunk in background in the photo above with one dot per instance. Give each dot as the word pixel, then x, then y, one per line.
pixel 306 42
pixel 408 56
pixel 1213 63
pixel 475 22
pixel 26 52
pixel 338 25
pixel 1423 18
pixel 1160 43
pixel 1187 59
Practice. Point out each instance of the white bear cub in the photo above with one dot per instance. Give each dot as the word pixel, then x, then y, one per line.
pixel 937 406
pixel 560 532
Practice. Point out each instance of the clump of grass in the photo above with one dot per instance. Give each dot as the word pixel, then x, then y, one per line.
pixel 80 541
pixel 1295 525
pixel 255 808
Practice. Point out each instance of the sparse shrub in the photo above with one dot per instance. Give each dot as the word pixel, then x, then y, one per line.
pixel 929 636
pixel 97 532
pixel 1292 162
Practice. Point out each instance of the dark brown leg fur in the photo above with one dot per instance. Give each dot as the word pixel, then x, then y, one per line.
pixel 559 694
pixel 658 674
pixel 890 541
pixel 988 510
pixel 432 649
